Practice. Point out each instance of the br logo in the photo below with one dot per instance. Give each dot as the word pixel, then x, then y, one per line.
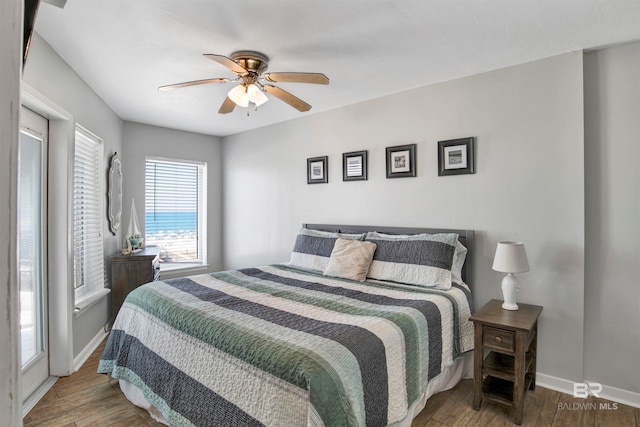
pixel 583 390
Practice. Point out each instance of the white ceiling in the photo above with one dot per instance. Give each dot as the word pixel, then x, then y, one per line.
pixel 124 50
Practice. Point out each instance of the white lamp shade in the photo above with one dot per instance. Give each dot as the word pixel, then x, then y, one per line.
pixel 256 95
pixel 239 95
pixel 511 258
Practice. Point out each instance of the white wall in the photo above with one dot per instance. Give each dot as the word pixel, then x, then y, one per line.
pixel 10 63
pixel 141 141
pixel 612 234
pixel 528 121
pixel 48 74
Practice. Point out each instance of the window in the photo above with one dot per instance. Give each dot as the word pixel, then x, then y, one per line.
pixel 89 277
pixel 175 211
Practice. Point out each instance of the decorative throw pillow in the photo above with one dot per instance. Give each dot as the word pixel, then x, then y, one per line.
pixel 350 259
pixel 420 259
pixel 313 248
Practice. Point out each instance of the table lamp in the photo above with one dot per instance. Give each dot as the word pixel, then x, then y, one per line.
pixel 510 258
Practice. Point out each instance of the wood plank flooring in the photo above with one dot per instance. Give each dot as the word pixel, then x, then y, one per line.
pixel 89 399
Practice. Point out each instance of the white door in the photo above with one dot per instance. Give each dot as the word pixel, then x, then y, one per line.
pixel 32 246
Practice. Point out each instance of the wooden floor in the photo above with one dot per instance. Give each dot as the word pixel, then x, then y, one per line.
pixel 89 399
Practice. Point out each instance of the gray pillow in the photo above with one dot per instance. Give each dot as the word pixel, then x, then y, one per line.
pixel 312 248
pixel 419 259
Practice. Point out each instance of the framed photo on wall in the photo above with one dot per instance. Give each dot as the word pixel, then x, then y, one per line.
pixel 317 170
pixel 354 166
pixel 401 161
pixel 456 157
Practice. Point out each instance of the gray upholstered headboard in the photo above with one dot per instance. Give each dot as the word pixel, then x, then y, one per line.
pixel 465 237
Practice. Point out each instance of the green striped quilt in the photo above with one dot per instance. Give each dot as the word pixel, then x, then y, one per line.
pixel 280 346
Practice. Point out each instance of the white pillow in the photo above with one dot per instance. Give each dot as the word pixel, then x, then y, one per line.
pixel 458 262
pixel 350 259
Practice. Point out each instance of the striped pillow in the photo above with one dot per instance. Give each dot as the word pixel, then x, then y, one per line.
pixel 312 249
pixel 419 259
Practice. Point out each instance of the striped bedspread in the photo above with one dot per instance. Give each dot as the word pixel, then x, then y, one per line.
pixel 280 346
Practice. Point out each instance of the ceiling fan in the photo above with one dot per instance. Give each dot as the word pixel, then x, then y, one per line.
pixel 250 67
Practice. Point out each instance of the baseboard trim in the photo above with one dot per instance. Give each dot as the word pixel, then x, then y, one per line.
pixel 35 397
pixel 609 393
pixel 88 350
pixel 554 383
pixel 621 396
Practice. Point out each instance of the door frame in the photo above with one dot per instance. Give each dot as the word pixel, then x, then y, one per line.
pixel 36 371
pixel 60 260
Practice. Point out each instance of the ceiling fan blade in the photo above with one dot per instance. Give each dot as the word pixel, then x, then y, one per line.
pixel 193 83
pixel 229 63
pixel 227 106
pixel 285 96
pixel 315 78
pixel 57 3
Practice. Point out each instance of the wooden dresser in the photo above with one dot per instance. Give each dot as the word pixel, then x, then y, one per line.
pixel 130 271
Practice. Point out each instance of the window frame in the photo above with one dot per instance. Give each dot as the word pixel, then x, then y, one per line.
pixel 201 228
pixel 89 291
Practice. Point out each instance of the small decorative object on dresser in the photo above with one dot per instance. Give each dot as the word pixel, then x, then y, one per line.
pixel 317 170
pixel 510 258
pixel 134 235
pixel 509 369
pixel 130 271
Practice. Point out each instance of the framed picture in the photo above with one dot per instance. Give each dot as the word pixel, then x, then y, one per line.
pixel 456 157
pixel 317 170
pixel 354 166
pixel 401 161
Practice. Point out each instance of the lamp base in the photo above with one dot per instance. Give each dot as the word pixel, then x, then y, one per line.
pixel 509 291
pixel 506 306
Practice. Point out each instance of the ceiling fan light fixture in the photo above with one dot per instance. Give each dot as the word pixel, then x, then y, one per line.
pixel 239 95
pixel 256 95
pixel 249 67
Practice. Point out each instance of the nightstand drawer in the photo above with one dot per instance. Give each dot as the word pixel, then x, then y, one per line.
pixel 498 339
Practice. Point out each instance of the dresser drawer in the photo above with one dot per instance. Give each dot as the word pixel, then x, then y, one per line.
pixel 130 271
pixel 498 339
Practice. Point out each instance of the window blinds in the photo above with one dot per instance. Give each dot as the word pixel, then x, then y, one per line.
pixel 175 210
pixel 88 194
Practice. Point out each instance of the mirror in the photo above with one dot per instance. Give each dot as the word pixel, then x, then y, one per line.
pixel 115 193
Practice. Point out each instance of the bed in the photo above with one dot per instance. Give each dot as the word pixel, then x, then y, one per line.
pixel 303 343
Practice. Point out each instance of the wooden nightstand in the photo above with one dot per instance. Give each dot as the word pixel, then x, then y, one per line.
pixel 509 368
